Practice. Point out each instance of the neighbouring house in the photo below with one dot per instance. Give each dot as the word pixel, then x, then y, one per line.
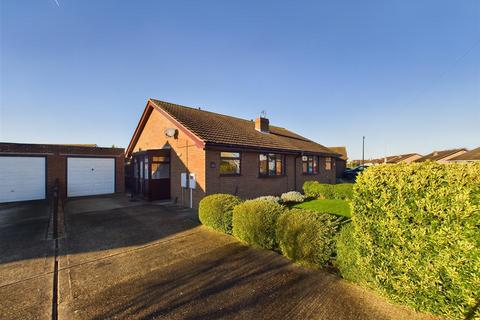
pixel 341 162
pixel 403 158
pixel 367 162
pixel 184 153
pixel 442 156
pixel 29 171
pixel 469 156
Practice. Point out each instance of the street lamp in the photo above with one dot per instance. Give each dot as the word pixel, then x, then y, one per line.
pixel 363 151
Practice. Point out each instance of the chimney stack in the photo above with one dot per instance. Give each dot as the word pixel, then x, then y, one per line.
pixel 262 124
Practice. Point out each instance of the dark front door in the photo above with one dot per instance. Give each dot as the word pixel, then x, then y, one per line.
pixel 160 178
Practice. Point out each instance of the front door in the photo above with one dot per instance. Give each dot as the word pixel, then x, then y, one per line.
pixel 159 178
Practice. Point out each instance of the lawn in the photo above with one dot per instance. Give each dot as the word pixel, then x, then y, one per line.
pixel 333 206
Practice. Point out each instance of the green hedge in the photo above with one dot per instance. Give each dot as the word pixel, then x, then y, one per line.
pixel 254 222
pixel 347 254
pixel 215 211
pixel 343 191
pixel 307 237
pixel 417 232
pixel 314 189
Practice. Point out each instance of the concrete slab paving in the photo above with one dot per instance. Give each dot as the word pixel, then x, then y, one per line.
pixel 100 203
pixel 27 299
pixel 26 261
pixel 155 262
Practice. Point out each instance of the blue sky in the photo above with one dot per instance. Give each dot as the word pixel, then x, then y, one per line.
pixel 406 74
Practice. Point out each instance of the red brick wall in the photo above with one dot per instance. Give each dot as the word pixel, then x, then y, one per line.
pixel 323 175
pixel 250 185
pixel 57 161
pixel 184 154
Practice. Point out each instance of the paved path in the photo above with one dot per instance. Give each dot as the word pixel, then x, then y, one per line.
pixel 123 260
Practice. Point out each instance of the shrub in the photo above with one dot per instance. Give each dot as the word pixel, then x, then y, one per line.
pixel 347 254
pixel 269 198
pixel 307 237
pixel 254 222
pixel 314 189
pixel 292 196
pixel 343 191
pixel 215 211
pixel 418 232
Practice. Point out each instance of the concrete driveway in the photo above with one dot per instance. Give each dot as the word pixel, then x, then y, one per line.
pixel 124 260
pixel 26 261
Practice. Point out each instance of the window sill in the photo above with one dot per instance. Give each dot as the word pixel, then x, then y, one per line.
pixel 231 175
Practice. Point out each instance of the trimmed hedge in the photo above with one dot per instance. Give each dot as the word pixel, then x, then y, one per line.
pixel 347 253
pixel 314 189
pixel 254 222
pixel 307 237
pixel 343 191
pixel 215 211
pixel 417 232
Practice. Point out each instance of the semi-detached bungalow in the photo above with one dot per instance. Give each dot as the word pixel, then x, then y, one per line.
pixel 184 153
pixel 443 156
pixel 470 156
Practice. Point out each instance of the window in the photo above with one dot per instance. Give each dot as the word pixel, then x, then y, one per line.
pixel 328 163
pixel 146 168
pixel 271 164
pixel 160 168
pixel 310 164
pixel 160 159
pixel 135 168
pixel 230 163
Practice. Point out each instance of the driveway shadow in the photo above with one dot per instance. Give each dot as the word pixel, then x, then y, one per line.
pixel 238 282
pixel 24 227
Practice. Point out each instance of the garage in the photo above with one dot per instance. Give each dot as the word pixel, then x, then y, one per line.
pixel 36 171
pixel 90 176
pixel 22 178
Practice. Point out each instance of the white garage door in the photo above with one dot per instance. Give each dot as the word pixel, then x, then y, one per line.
pixel 22 178
pixel 90 176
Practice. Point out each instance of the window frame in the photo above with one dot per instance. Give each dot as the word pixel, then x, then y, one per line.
pixel 164 160
pixel 239 158
pixel 276 157
pixel 314 160
pixel 328 161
